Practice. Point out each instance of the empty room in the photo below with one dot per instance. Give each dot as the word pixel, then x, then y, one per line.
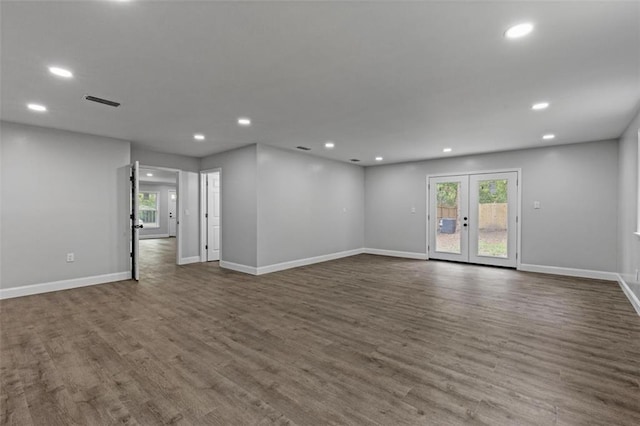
pixel 319 212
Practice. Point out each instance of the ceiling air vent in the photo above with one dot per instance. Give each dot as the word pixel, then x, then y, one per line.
pixel 304 148
pixel 354 160
pixel 102 101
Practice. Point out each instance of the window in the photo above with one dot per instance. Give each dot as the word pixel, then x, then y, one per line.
pixel 148 209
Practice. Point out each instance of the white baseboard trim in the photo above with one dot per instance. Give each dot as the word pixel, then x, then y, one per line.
pixel 252 270
pixel 307 261
pixel 570 272
pixel 394 253
pixel 28 290
pixel 187 260
pixel 150 236
pixel 635 302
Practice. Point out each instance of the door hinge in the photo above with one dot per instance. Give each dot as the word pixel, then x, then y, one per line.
pixel 131 178
pixel 206 215
pixel 516 255
pixel 206 247
pixel 131 216
pixel 516 219
pixel 131 254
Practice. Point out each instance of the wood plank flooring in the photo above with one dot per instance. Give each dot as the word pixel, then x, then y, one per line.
pixel 365 340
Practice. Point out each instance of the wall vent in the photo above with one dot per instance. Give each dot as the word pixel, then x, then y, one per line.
pixel 102 101
pixel 304 148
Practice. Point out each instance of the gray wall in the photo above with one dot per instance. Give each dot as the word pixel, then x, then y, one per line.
pixel 576 185
pixel 628 243
pixel 163 207
pixel 238 200
pixel 61 192
pixel 160 159
pixel 307 206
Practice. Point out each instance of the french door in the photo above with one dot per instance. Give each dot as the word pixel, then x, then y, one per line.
pixel 473 218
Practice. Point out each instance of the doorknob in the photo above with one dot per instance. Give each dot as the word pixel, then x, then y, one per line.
pixel 138 226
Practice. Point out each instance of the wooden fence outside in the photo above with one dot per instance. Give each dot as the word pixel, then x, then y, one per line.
pixel 493 217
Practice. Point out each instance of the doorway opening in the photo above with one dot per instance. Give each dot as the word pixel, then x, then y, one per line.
pixel 473 218
pixel 155 209
pixel 211 217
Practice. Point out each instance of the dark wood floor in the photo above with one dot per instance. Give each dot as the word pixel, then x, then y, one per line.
pixel 361 340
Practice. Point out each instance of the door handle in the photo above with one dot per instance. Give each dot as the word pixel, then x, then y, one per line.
pixel 138 226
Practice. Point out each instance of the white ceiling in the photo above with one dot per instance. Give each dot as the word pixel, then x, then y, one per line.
pixel 158 176
pixel 397 79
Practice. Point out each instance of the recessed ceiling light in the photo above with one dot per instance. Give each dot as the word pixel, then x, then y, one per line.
pixel 329 145
pixel 447 150
pixel 379 158
pixel 548 136
pixel 244 121
pixel 37 107
pixel 519 30
pixel 149 174
pixel 198 137
pixel 539 106
pixel 60 72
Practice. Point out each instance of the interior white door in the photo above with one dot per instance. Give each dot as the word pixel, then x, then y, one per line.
pixel 173 197
pixel 213 216
pixel 448 218
pixel 135 222
pixel 493 201
pixel 473 218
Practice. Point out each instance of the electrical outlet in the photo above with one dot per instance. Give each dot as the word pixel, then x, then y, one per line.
pixel 70 257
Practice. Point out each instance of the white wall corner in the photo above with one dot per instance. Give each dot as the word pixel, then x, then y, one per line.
pixel 252 270
pixel 188 260
pixel 307 261
pixel 569 272
pixel 28 290
pixel 394 253
pixel 635 302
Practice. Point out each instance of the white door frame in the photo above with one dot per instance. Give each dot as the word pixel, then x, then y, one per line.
pixel 169 211
pixel 203 210
pixel 178 207
pixel 518 206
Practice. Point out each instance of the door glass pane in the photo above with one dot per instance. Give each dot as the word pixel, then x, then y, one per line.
pixel 493 218
pixel 448 217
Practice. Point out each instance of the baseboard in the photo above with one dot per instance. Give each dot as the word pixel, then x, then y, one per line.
pixel 306 261
pixel 394 253
pixel 150 236
pixel 570 272
pixel 252 270
pixel 635 302
pixel 187 260
pixel 28 290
